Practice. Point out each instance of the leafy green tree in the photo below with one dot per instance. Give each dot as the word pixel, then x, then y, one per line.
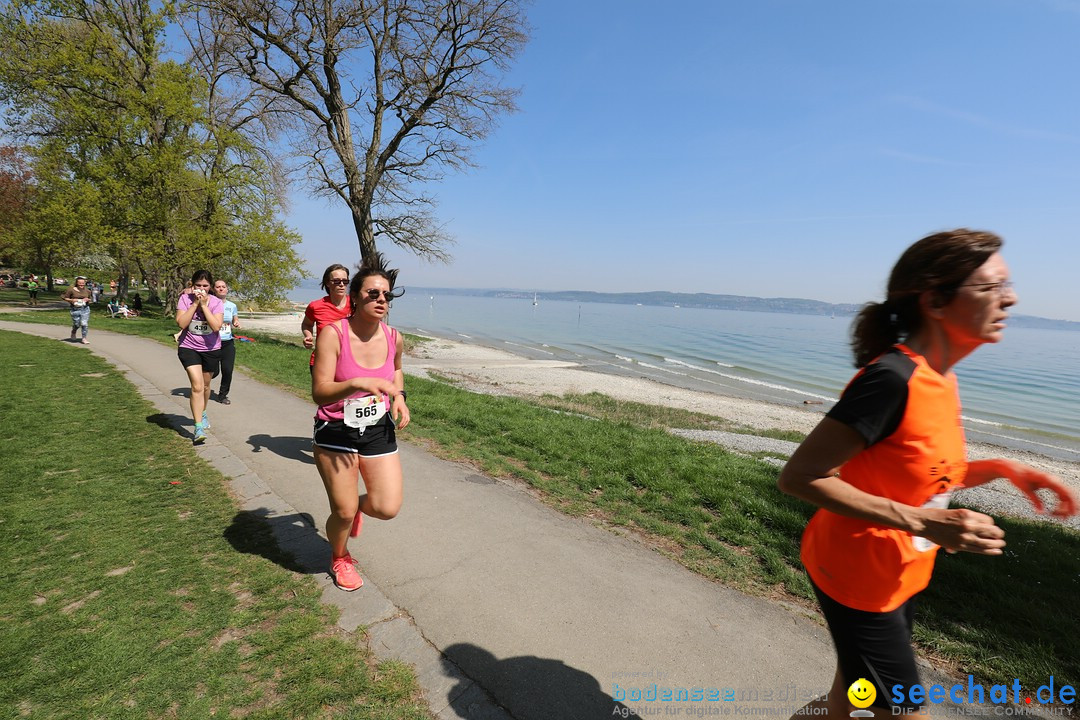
pixel 60 221
pixel 88 86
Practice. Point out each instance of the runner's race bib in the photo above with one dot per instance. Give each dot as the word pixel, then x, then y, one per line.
pixel 363 412
pixel 199 327
pixel 79 303
pixel 941 500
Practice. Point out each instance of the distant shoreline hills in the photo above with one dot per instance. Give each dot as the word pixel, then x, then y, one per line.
pixel 710 301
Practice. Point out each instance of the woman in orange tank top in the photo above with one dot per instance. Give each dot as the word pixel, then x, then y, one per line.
pixel 883 462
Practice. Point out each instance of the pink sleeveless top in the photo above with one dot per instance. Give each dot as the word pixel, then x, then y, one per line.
pixel 347 368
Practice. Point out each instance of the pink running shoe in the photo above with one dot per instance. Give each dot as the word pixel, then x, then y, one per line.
pixel 357 524
pixel 345 575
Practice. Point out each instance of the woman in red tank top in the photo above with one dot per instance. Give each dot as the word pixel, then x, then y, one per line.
pixel 333 307
pixel 358 384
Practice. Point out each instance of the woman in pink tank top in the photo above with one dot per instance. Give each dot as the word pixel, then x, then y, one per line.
pixel 359 387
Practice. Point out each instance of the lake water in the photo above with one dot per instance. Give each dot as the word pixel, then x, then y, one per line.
pixel 1021 393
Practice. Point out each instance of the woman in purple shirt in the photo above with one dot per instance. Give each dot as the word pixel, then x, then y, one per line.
pixel 199 313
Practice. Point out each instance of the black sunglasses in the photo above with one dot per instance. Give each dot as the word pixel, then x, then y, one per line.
pixel 339 281
pixel 390 295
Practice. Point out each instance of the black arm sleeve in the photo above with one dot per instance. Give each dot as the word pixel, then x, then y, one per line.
pixel 874 402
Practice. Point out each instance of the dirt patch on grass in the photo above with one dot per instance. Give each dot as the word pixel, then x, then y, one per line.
pixel 68 609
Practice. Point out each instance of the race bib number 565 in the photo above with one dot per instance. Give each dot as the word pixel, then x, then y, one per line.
pixel 364 412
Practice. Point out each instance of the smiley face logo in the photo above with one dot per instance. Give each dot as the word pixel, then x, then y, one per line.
pixel 862 693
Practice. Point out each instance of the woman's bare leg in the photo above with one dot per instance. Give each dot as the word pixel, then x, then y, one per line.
pixel 340 476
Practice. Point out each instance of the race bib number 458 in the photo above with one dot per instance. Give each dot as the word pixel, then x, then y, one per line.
pixel 364 411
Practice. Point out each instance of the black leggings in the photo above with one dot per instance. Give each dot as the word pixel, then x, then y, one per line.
pixel 875 646
pixel 228 357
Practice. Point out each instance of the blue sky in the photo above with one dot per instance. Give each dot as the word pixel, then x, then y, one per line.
pixel 764 147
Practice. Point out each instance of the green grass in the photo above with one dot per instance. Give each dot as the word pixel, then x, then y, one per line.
pixel 128 596
pixel 721 515
pixel 21 296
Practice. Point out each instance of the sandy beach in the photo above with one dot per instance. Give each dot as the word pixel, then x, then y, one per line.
pixel 492 371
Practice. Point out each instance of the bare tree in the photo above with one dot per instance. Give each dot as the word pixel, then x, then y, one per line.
pixel 383 96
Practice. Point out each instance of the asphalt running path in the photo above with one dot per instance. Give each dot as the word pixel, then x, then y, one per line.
pixel 506 607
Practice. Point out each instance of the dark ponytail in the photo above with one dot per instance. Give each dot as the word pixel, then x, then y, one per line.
pixel 875 330
pixel 939 263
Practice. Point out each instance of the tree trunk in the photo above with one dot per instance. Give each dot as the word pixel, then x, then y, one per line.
pixel 152 280
pixel 364 233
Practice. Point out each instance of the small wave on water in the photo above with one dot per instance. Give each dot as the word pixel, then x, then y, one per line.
pixel 625 359
pixel 691 366
pixel 528 347
pixel 1024 440
pixel 662 369
pixel 977 421
pixel 673 361
pixel 776 386
pixel 748 380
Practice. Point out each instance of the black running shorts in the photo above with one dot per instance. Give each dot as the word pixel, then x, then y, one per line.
pixel 376 440
pixel 209 359
pixel 873 645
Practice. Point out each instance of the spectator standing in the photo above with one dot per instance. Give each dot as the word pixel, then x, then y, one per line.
pixel 228 346
pixel 79 297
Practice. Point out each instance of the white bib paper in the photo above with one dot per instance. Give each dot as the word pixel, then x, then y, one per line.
pixel 364 412
pixel 941 500
pixel 79 303
pixel 199 327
